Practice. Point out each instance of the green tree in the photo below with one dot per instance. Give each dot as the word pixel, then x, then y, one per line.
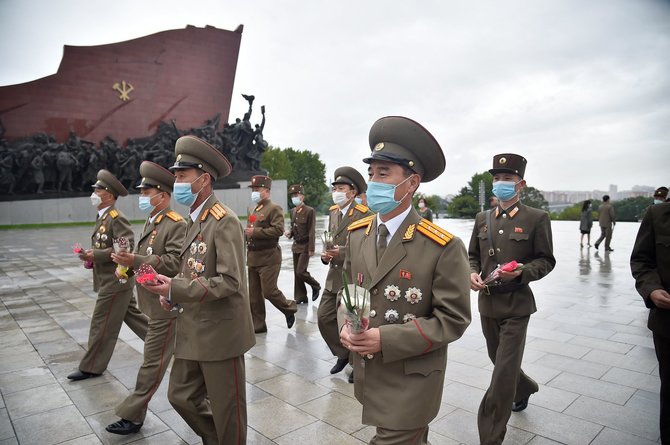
pixel 298 167
pixel 573 213
pixel 631 209
pixel 532 197
pixel 463 206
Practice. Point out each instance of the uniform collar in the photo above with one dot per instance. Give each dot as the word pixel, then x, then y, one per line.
pixel 510 212
pixel 194 214
pixel 394 223
pixel 103 211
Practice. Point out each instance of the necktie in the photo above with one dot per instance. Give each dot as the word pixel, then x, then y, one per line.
pixel 381 241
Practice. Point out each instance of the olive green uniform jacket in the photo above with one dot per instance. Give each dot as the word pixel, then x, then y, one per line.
pixel 420 301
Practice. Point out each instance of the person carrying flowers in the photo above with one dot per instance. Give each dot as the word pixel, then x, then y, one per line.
pixel 511 245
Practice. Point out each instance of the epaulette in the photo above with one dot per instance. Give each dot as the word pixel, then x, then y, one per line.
pixel 217 211
pixel 361 208
pixel 434 232
pixel 174 216
pixel 363 222
pixel 333 207
pixel 113 213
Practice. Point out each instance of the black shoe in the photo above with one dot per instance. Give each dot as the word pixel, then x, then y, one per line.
pixel 315 293
pixel 520 405
pixel 351 377
pixel 596 246
pixel 81 375
pixel 609 250
pixel 123 427
pixel 261 330
pixel 339 365
pixel 290 319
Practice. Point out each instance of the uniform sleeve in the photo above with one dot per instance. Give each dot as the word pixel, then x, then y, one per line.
pixel 473 249
pixel 230 276
pixel 290 230
pixel 643 261
pixel 168 262
pixel 311 229
pixel 120 228
pixel 612 216
pixel 451 311
pixel 543 260
pixel 276 229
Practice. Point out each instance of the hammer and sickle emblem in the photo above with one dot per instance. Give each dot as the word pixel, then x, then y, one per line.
pixel 124 90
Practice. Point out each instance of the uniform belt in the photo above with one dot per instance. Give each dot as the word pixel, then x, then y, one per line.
pixel 506 288
pixel 301 241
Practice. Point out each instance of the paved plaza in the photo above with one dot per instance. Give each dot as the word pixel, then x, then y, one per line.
pixel 587 346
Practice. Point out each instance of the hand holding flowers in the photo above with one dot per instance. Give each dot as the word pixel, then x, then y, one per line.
pixel 121 244
pixel 85 255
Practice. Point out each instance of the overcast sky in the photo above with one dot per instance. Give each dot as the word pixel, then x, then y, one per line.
pixel 580 88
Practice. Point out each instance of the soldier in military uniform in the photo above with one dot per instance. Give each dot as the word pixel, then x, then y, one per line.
pixel 348 184
pixel 302 231
pixel 510 232
pixel 417 275
pixel 115 303
pixel 607 221
pixel 214 327
pixel 159 246
pixel 650 264
pixel 265 226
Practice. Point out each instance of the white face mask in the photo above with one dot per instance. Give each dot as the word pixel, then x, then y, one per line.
pixel 422 205
pixel 95 200
pixel 339 198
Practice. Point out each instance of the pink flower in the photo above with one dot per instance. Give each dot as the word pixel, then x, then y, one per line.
pixel 509 267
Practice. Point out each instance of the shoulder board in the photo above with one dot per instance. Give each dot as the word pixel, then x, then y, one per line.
pixel 361 208
pixel 363 222
pixel 333 207
pixel 113 213
pixel 434 232
pixel 174 216
pixel 217 211
pixel 159 218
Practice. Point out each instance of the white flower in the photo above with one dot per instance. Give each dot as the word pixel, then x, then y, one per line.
pixel 194 248
pixel 413 295
pixel 202 248
pixel 408 317
pixel 391 316
pixel 392 292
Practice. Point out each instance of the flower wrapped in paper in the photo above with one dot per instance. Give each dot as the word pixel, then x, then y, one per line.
pixel 356 302
pixel 77 249
pixel 327 239
pixel 493 279
pixel 121 244
pixel 146 274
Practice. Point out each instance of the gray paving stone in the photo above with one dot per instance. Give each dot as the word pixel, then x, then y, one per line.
pixel 609 436
pixel 603 345
pixel 6 429
pixel 340 411
pixel 633 379
pixel 598 389
pixel 36 400
pixel 318 432
pixel 273 417
pixel 52 427
pixel 555 426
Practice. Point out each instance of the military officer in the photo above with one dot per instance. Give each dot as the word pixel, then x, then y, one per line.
pixel 511 231
pixel 650 264
pixel 348 184
pixel 417 275
pixel 214 327
pixel 159 246
pixel 115 303
pixel 265 226
pixel 302 231
pixel 607 221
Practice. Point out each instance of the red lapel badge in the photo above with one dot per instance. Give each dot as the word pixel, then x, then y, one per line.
pixel 406 274
pixel 518 230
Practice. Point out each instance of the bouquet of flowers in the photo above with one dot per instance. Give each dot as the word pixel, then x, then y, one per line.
pixel 251 220
pixel 77 249
pixel 121 244
pixel 494 277
pixel 327 239
pixel 356 301
pixel 146 274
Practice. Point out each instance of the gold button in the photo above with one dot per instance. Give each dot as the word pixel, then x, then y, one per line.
pixel 504 215
pixel 373 313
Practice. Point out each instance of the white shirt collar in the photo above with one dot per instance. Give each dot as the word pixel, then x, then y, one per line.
pixel 102 212
pixel 393 224
pixel 345 209
pixel 194 214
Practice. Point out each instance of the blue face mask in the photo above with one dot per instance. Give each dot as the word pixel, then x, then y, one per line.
pixel 658 201
pixel 183 194
pixel 255 196
pixel 358 200
pixel 504 190
pixel 145 204
pixel 296 200
pixel 381 197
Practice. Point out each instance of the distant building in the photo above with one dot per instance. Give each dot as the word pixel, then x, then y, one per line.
pixel 559 199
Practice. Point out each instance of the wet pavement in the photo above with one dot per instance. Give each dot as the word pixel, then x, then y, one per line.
pixel 587 346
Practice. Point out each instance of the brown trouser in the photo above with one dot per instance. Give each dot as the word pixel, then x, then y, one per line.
pixel 505 341
pixel 302 276
pixel 385 436
pixel 263 286
pixel 109 313
pixel 158 350
pixel 605 234
pixel 211 398
pixel 327 322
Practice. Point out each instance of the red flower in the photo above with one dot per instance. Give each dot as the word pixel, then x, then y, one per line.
pixel 77 248
pixel 252 218
pixel 509 267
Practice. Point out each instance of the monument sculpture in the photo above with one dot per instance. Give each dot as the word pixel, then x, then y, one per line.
pixel 38 166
